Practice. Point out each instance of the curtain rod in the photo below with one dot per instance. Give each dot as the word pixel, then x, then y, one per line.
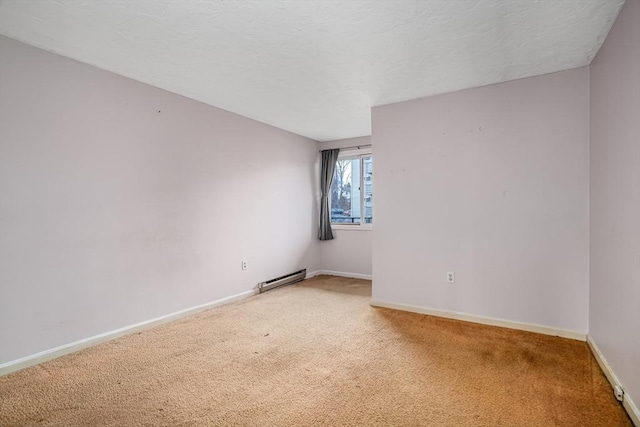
pixel 353 146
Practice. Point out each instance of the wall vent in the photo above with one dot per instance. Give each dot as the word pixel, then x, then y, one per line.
pixel 298 276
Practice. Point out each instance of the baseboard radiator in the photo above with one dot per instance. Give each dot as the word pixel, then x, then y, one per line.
pixel 298 276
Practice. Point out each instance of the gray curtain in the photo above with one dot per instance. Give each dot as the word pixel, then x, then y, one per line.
pixel 328 165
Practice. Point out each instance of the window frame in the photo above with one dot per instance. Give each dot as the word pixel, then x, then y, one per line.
pixel 361 226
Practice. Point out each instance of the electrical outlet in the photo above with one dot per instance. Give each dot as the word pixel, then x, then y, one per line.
pixel 451 277
pixel 244 265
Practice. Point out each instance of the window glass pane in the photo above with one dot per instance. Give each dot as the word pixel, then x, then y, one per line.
pixel 345 192
pixel 367 179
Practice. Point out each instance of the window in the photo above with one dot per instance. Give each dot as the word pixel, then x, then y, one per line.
pixel 352 192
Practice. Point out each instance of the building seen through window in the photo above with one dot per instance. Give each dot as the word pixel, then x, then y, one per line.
pixel 352 191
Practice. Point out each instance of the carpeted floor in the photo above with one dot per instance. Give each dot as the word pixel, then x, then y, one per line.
pixel 317 354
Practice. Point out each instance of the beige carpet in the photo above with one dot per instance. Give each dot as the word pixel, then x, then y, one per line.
pixel 316 354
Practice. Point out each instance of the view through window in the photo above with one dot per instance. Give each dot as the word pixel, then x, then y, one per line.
pixel 352 191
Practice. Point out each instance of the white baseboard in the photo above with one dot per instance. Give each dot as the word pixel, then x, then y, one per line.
pixel 530 327
pixel 340 274
pixel 627 402
pixel 44 356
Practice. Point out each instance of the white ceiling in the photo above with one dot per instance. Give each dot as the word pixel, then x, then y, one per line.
pixel 316 67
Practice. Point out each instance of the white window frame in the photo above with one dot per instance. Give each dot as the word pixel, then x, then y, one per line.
pixel 362 226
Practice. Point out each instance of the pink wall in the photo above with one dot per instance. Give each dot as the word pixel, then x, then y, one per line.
pixel 614 309
pixel 492 184
pixel 122 202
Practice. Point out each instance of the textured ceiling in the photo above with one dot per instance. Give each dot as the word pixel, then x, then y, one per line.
pixel 316 67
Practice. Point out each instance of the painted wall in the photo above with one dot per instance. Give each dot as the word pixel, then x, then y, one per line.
pixel 614 304
pixel 350 250
pixel 492 184
pixel 122 202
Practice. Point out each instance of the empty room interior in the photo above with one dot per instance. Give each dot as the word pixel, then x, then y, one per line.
pixel 320 213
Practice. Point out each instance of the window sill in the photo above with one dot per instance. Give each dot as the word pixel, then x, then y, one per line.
pixel 352 227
